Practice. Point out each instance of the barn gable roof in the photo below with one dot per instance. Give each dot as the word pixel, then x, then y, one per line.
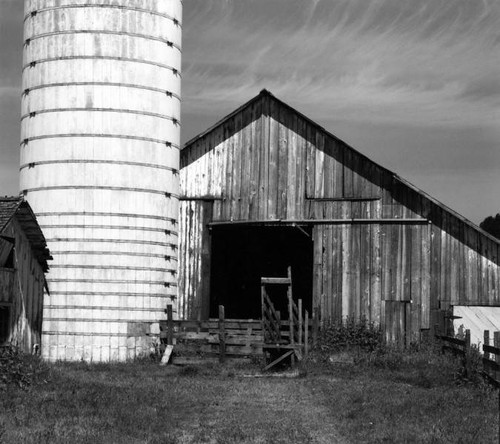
pixel 433 215
pixel 17 207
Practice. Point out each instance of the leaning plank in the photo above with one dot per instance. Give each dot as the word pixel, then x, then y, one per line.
pixel 166 354
pixel 194 360
pixel 278 360
pixel 222 335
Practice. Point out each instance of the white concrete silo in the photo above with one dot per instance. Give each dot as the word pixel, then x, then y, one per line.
pixel 99 166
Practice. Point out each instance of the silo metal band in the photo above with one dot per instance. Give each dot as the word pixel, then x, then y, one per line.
pixel 33 63
pixel 99 31
pixel 105 136
pixel 109 293
pixel 114 241
pixel 108 267
pixel 114 293
pixel 32 114
pixel 35 12
pixel 107 321
pixel 93 307
pixel 94 187
pixel 110 227
pixel 100 213
pixel 112 281
pixel 113 253
pixel 86 333
pixel 117 84
pixel 107 162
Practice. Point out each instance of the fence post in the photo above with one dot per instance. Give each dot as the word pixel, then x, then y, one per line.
pixel 300 321
pixel 306 333
pixel 486 355
pixel 222 335
pixel 170 325
pixel 496 343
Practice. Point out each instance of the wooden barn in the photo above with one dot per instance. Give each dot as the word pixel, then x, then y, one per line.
pixel 266 188
pixel 23 263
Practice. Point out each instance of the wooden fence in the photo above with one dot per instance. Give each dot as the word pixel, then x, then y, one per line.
pixel 218 338
pixel 490 361
pixel 457 346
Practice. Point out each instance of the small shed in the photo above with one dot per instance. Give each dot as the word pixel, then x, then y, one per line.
pixel 267 188
pixel 23 264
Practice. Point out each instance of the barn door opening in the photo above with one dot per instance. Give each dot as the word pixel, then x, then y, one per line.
pixel 242 254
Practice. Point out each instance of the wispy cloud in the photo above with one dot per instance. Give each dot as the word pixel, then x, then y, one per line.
pixel 433 62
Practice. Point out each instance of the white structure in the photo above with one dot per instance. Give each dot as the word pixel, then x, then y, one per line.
pixel 99 166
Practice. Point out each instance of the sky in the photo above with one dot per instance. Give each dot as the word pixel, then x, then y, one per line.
pixel 412 84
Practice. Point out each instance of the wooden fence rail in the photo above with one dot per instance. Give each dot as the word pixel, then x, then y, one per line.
pixel 459 347
pixel 221 338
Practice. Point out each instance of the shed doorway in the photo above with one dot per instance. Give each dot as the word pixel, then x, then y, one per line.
pixel 242 254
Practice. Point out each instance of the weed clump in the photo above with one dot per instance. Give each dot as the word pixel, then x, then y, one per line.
pixel 20 369
pixel 349 334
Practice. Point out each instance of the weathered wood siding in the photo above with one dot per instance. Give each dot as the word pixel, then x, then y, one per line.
pixel 22 286
pixel 194 247
pixel 399 257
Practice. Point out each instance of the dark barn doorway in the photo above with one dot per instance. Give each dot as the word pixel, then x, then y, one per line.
pixel 242 254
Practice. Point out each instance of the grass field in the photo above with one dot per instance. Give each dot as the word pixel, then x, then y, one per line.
pixel 141 402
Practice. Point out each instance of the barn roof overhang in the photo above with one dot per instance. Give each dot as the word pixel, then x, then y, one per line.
pixel 18 208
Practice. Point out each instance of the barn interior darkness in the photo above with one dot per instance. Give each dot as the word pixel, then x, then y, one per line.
pixel 242 254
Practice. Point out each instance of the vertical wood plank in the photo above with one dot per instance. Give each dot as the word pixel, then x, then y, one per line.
pixel 255 151
pixel 425 292
pixel 264 160
pixel 246 150
pixel 346 263
pixel 300 166
pixel 376 264
pixel 227 187
pixel 238 161
pixel 205 258
pixel 319 188
pixel 272 198
pixel 318 267
pixel 310 179
pixel 289 131
pixel 355 270
pixel 283 153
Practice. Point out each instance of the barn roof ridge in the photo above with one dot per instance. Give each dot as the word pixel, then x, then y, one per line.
pixel 266 93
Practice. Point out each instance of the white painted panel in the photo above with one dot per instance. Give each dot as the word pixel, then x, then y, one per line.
pixel 477 320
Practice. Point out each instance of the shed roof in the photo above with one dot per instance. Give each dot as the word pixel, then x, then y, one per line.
pixel 17 207
pixel 264 93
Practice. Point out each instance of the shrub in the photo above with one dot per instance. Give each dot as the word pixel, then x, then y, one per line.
pixel 351 333
pixel 20 369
